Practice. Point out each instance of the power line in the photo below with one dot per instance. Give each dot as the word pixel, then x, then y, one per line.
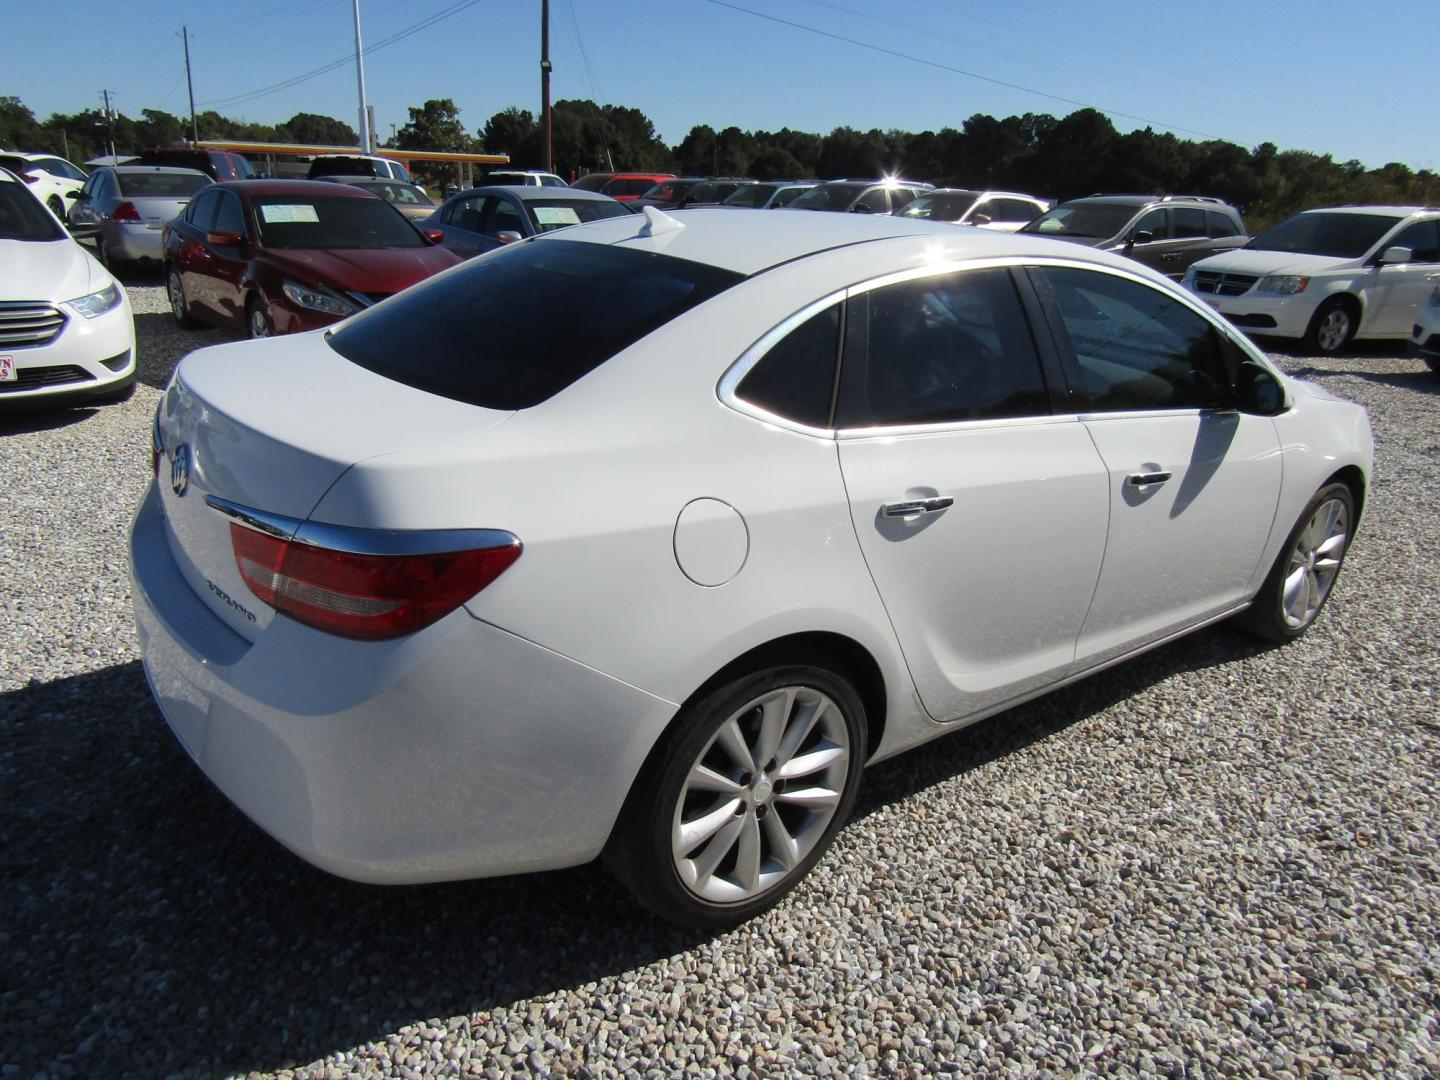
pixel 959 71
pixel 596 90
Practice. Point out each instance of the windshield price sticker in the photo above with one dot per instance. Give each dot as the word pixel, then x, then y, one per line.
pixel 7 369
pixel 278 213
pixel 556 215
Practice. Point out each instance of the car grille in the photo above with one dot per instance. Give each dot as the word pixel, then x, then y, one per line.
pixel 1208 281
pixel 35 377
pixel 29 322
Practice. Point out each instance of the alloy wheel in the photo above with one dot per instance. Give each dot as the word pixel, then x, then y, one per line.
pixel 761 794
pixel 1334 329
pixel 1314 562
pixel 259 325
pixel 177 296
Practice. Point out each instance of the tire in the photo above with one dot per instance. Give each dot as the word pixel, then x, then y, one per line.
pixel 709 837
pixel 1333 327
pixel 57 206
pixel 257 320
pixel 179 305
pixel 1305 571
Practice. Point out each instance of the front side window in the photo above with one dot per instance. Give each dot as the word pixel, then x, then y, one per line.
pixel 1013 210
pixel 874 201
pixel 1136 347
pixel 787 196
pixel 467 214
pixel 1422 241
pixel 1153 222
pixel 943 349
pixel 504 218
pixel 487 333
pixel 22 217
pixel 796 378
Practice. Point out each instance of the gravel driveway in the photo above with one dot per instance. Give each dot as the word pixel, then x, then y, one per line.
pixel 1217 859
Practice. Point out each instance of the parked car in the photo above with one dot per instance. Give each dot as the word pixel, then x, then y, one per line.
pixel 688 192
pixel 1328 277
pixel 1165 232
pixel 410 199
pixel 621 573
pixel 861 196
pixel 998 211
pixel 66 332
pixel 621 186
pixel 523 178
pixel 219 165
pixel 768 194
pixel 53 180
pixel 130 204
pixel 1425 334
pixel 282 256
pixel 358 165
pixel 483 219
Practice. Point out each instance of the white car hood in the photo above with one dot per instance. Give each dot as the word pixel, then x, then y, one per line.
pixel 53 270
pixel 1261 263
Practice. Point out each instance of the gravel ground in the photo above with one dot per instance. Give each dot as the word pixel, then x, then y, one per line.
pixel 1217 859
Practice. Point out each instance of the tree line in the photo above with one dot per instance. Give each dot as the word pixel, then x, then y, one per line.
pixel 1063 157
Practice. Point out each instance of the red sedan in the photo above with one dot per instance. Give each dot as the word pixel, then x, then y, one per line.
pixel 279 257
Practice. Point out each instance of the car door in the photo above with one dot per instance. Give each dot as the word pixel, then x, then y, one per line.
pixel 1189 240
pixel 1148 241
pixel 191 252
pixel 228 262
pixel 1399 289
pixel 462 221
pixel 981 513
pixel 1193 484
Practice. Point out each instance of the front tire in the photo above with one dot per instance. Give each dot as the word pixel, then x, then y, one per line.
pixel 742 797
pixel 1304 573
pixel 1333 327
pixel 257 320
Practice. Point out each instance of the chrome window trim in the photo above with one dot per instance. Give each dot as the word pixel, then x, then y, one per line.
pixel 899 430
pixel 358 541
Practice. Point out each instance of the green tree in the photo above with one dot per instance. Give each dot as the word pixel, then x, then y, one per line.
pixel 320 130
pixel 514 131
pixel 19 130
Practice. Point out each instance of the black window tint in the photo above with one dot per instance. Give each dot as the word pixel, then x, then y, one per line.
pixel 1153 223
pixel 956 347
pixel 1422 241
pixel 1221 225
pixel 468 214
pixel 1013 210
pixel 1187 222
pixel 796 378
pixel 1136 347
pixel 504 217
pixel 22 217
pixel 874 201
pixel 202 210
pixel 487 333
pixel 230 217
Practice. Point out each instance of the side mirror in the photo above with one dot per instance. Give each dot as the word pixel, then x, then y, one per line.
pixel 1257 391
pixel 861 208
pixel 435 236
pixel 1395 254
pixel 508 236
pixel 1142 236
pixel 76 194
pixel 981 219
pixel 224 239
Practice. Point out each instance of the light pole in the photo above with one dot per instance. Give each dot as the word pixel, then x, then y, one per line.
pixel 365 140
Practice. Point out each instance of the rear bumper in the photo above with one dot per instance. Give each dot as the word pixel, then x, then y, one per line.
pixel 131 243
pixel 460 751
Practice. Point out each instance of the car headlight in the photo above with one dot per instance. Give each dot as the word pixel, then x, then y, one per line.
pixel 1282 284
pixel 97 303
pixel 317 299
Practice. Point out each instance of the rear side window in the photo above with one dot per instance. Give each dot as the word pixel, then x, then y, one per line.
pixel 943 349
pixel 1221 225
pixel 487 333
pixel 796 379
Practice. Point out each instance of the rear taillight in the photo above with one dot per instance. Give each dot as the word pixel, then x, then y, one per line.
pixel 363 596
pixel 126 212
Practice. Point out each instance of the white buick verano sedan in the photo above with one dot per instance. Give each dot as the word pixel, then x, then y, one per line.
pixel 640 539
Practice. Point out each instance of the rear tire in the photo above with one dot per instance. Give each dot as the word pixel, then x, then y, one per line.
pixel 1333 327
pixel 1305 571
pixel 179 305
pixel 712 836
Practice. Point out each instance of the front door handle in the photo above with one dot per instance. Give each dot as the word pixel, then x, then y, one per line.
pixel 912 507
pixel 1145 479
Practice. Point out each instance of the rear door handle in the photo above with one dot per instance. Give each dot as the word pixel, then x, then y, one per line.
pixel 917 506
pixel 1145 479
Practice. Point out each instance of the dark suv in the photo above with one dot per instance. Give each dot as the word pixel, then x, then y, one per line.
pixel 1165 232
pixel 216 164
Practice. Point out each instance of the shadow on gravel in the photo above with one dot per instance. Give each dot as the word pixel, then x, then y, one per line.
pixel 161 344
pixel 47 418
pixel 151 930
pixel 1423 381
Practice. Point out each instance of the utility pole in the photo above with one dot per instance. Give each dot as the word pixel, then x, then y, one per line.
pixel 365 140
pixel 189 85
pixel 110 123
pixel 545 83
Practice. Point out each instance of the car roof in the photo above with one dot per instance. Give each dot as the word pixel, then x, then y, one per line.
pixel 252 188
pixel 164 170
pixel 528 193
pixel 750 243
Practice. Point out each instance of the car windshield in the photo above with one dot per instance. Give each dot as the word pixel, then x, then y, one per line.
pixel 22 217
pixel 488 333
pixel 554 213
pixel 749 195
pixel 333 223
pixel 940 207
pixel 161 185
pixel 1098 221
pixel 400 194
pixel 828 197
pixel 1341 236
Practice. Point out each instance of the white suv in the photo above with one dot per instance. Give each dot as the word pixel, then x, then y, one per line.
pixel 52 180
pixel 1328 276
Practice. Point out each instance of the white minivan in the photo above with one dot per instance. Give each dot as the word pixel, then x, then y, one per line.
pixel 1328 276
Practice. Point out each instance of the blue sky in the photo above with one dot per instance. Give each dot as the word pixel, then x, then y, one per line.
pixel 1356 79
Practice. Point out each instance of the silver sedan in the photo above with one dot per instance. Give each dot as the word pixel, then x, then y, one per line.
pixel 130 205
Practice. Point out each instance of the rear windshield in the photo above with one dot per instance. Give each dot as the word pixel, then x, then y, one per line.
pixel 1343 236
pixel 345 166
pixel 23 218
pixel 161 185
pixel 556 212
pixel 488 332
pixel 1094 221
pixel 315 221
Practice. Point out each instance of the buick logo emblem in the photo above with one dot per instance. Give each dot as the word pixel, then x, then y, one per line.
pixel 180 469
